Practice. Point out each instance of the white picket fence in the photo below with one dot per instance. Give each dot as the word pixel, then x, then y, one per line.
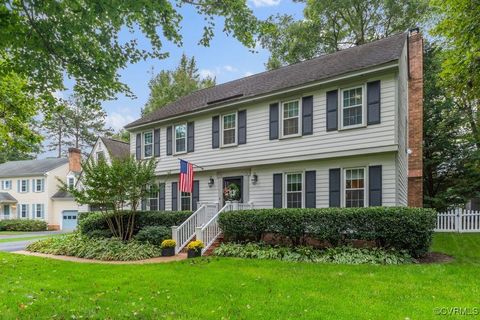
pixel 458 220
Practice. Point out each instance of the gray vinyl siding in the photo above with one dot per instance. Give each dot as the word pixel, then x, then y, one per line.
pixel 260 148
pixel 402 125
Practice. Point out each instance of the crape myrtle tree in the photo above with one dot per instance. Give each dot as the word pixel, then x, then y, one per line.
pixel 113 188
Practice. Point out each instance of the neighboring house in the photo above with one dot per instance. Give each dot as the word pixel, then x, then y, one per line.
pixel 108 149
pixel 340 130
pixel 29 190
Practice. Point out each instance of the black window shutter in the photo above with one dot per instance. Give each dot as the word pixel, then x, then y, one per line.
pixel 190 137
pixel 169 140
pixel 277 190
pixel 307 115
pixel 373 102
pixel 375 186
pixel 138 146
pixel 332 110
pixel 156 143
pixel 242 127
pixel 274 121
pixel 174 196
pixel 215 132
pixel 161 196
pixel 195 194
pixel 334 187
pixel 144 204
pixel 310 189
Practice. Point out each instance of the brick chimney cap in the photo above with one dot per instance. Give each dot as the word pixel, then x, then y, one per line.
pixel 74 150
pixel 413 31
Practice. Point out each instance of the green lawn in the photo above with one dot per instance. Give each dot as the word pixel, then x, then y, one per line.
pixel 28 238
pixel 36 288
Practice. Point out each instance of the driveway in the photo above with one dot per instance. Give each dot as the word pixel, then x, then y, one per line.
pixel 13 245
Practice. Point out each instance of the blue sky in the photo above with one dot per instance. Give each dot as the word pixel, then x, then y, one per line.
pixel 226 58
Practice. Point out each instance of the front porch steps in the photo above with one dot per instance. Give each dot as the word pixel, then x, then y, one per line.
pixel 214 245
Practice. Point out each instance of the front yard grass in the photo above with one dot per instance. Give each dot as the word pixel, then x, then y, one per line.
pixel 227 288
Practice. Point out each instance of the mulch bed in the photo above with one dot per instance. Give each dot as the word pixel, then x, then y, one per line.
pixel 435 257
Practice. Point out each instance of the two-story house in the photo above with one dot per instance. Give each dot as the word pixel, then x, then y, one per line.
pixel 339 130
pixel 29 189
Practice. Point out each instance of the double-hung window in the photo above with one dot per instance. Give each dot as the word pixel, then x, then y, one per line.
pixel 229 129
pixel 352 107
pixel 186 201
pixel 39 211
pixel 6 184
pixel 100 156
pixel 293 190
pixel 153 198
pixel 71 182
pixel 354 187
pixel 147 144
pixel 24 185
pixel 180 138
pixel 291 118
pixel 39 183
pixel 24 211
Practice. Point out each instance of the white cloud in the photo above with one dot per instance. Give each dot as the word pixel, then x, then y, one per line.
pixel 117 120
pixel 229 68
pixel 205 73
pixel 265 3
pixel 248 73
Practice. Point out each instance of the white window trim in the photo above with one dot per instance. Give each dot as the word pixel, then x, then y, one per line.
pixel 4 185
pixel 175 138
pixel 364 109
pixel 284 195
pixel 39 205
pixel 144 145
pixel 149 199
pixel 180 201
pixel 344 185
pixel 21 186
pixel 299 133
pixel 68 181
pixel 223 145
pixel 27 213
pixel 35 186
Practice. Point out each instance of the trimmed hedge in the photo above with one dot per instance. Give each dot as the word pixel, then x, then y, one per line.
pixel 93 224
pixel 401 228
pixel 23 225
pixel 154 234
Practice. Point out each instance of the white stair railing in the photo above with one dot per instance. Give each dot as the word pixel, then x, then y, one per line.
pixel 210 231
pixel 185 232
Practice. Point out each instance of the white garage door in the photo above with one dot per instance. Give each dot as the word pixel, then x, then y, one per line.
pixel 70 219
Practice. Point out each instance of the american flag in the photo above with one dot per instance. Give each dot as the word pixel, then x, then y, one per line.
pixel 186 176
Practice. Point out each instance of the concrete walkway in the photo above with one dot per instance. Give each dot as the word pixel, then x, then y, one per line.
pixel 22 244
pixel 29 234
pixel 179 257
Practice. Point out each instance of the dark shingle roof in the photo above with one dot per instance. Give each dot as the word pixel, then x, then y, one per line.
pixel 7 197
pixel 117 149
pixel 25 168
pixel 62 195
pixel 320 68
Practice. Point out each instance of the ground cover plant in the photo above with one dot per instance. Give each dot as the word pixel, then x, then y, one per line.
pixel 233 288
pixel 77 245
pixel 339 255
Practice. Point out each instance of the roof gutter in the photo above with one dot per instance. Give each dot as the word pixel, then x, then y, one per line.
pixel 386 66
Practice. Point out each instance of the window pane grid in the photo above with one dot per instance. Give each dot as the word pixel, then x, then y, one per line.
pixel 354 188
pixel 294 190
pixel 290 118
pixel 186 201
pixel 153 199
pixel 352 107
pixel 180 138
pixel 147 144
pixel 229 129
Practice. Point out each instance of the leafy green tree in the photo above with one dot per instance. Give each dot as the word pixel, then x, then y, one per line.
pixel 122 135
pixel 168 86
pixel 331 25
pixel 45 40
pixel 115 188
pixel 18 107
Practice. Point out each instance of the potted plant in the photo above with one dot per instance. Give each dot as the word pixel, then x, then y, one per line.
pixel 195 249
pixel 168 248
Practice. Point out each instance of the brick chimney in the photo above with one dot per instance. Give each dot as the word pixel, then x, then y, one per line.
pixel 74 159
pixel 415 119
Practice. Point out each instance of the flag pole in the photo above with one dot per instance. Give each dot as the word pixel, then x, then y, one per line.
pixel 196 165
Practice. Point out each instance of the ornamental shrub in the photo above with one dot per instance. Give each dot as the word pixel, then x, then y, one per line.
pixel 154 234
pixel 168 243
pixel 402 228
pixel 96 221
pixel 22 225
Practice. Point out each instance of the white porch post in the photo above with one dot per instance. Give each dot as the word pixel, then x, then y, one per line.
pixel 198 234
pixel 175 238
